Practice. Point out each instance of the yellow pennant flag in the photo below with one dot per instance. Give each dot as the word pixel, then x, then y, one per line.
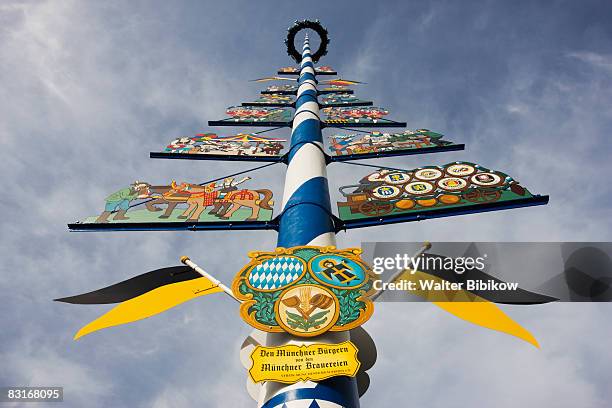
pixel 487 314
pixel 468 306
pixel 151 303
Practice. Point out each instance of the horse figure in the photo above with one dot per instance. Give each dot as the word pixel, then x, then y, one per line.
pixel 247 198
pixel 199 197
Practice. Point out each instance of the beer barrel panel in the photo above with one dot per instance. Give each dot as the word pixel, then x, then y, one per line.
pixel 387 192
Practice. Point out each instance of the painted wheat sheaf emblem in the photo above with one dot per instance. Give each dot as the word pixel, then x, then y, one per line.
pixel 305 290
pixel 306 310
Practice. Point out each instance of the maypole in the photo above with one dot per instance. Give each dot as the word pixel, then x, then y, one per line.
pixel 306 299
pixel 306 219
pixel 306 216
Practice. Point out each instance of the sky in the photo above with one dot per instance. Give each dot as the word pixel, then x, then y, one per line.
pixel 88 89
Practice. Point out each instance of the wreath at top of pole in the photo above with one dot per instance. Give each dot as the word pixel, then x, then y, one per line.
pixel 302 25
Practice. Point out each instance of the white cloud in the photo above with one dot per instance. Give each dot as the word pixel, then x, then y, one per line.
pixel 595 59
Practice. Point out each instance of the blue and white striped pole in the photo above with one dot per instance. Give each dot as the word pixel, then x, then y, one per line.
pixel 306 219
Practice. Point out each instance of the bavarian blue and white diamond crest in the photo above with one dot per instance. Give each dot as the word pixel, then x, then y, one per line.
pixel 276 272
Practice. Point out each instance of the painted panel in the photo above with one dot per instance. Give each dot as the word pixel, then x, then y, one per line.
pixel 272 100
pixel 383 142
pixel 338 99
pixel 461 185
pixel 291 89
pixel 322 70
pixel 256 116
pixel 283 89
pixel 326 100
pixel 325 69
pixel 367 114
pixel 142 202
pixel 241 144
pixel 327 89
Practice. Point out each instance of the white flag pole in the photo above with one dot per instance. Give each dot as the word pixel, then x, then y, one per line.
pixel 215 281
